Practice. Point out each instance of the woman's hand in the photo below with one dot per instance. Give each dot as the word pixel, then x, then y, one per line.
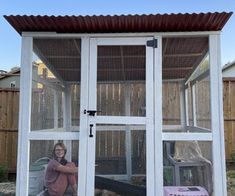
pixel 68 168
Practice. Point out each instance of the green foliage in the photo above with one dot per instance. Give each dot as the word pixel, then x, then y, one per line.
pixel 3 173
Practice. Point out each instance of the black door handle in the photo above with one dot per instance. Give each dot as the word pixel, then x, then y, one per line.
pixel 91 135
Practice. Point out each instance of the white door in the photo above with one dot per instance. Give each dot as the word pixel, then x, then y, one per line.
pixel 120 137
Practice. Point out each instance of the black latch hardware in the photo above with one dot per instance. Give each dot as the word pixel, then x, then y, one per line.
pixel 152 43
pixel 91 112
pixel 91 135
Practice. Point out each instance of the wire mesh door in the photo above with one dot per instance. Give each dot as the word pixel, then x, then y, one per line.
pixel 117 93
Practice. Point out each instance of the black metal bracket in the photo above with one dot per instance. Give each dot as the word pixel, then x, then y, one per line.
pixel 90 112
pixel 152 43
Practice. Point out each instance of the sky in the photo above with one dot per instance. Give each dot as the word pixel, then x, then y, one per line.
pixel 10 40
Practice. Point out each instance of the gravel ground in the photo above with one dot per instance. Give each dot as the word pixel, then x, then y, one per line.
pixel 7 188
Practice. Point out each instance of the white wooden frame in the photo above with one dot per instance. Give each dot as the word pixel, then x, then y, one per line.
pixel 217 135
pixel 217 126
pixel 148 120
pixel 24 117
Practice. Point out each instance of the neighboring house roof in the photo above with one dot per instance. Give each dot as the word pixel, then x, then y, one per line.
pixel 10 73
pixel 228 71
pixel 228 65
pixel 120 24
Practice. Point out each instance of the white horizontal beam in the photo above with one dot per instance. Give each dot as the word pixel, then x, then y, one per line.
pixel 187 136
pixel 38 135
pixel 120 128
pixel 122 120
pixel 80 35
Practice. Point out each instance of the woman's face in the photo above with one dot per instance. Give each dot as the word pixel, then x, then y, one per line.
pixel 59 152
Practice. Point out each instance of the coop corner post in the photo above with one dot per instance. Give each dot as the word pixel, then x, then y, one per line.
pixel 158 151
pixel 219 175
pixel 24 116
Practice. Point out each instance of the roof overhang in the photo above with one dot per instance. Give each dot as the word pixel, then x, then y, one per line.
pixel 180 55
pixel 120 24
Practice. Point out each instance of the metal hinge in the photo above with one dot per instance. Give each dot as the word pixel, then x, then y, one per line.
pixel 152 43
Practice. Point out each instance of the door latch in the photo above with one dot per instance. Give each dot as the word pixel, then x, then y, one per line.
pixel 90 112
pixel 91 135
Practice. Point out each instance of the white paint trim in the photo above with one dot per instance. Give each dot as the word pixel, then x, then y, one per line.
pixel 24 117
pixel 150 166
pixel 121 120
pixel 128 142
pixel 122 41
pixel 90 181
pixel 41 135
pixel 194 108
pixel 68 119
pixel 120 127
pixel 173 128
pixel 182 106
pixel 50 130
pixel 217 117
pixel 83 151
pixel 92 35
pixel 55 96
pixel 158 151
pixel 186 107
pixel 67 108
pixel 187 136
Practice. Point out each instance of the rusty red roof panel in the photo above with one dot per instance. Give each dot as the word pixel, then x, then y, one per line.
pixel 120 24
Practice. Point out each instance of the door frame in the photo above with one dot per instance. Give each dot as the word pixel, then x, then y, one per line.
pixel 90 102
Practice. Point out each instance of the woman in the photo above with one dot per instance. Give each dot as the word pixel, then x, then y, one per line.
pixel 60 173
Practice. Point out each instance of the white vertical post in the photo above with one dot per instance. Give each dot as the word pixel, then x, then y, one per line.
pixel 83 135
pixel 128 131
pixel 182 106
pixel 186 106
pixel 91 120
pixel 67 119
pixel 158 151
pixel 55 109
pixel 150 122
pixel 67 108
pixel 24 116
pixel 194 109
pixel 219 175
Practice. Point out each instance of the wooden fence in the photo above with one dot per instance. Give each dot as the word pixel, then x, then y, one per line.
pixel 229 116
pixel 9 111
pixel 9 108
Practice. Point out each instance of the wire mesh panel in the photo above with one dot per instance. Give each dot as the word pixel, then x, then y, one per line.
pixel 185 65
pixel 120 160
pixel 56 62
pixel 121 80
pixel 188 163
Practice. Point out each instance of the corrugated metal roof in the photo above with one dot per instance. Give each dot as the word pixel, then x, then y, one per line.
pixel 120 24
